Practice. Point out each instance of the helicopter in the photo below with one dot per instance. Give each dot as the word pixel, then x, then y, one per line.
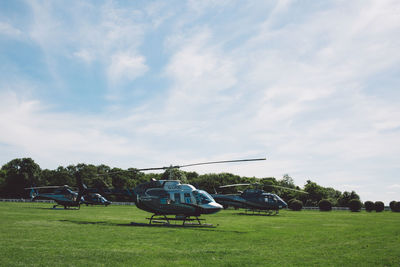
pixel 171 197
pixel 253 199
pixel 95 199
pixel 67 197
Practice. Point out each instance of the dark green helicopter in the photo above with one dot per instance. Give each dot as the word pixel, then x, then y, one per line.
pixel 171 197
pixel 253 199
pixel 65 196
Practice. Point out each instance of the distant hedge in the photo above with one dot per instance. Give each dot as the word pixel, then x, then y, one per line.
pixel 355 205
pixel 379 206
pixel 325 205
pixel 295 204
pixel 369 206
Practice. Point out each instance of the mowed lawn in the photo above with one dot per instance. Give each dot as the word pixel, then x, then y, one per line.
pixel 33 234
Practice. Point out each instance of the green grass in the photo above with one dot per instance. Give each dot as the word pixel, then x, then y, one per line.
pixel 32 234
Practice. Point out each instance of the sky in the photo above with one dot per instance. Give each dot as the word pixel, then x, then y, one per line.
pixel 313 86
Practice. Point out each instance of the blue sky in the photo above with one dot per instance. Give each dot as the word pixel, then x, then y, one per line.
pixel 311 85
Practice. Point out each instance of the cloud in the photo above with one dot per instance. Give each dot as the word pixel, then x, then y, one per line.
pixel 301 84
pixel 126 67
pixel 103 34
pixel 9 30
pixel 43 135
pixel 85 55
pixel 200 73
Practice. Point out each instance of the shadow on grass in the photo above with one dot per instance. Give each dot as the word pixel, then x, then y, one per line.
pixel 42 208
pixel 204 227
pixel 257 214
pixel 94 223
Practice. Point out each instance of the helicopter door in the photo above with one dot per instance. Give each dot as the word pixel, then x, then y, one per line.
pixel 177 197
pixel 188 199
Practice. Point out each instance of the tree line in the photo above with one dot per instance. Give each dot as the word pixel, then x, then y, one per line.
pixel 24 172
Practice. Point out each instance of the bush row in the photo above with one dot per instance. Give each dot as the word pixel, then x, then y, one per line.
pixel 354 205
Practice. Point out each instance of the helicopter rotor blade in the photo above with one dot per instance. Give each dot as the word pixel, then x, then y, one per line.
pixel 233 185
pixel 258 184
pixel 222 161
pixel 46 187
pixel 183 166
pixel 288 188
pixel 158 168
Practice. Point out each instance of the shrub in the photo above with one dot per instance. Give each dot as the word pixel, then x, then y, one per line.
pixel 397 206
pixel 369 206
pixel 379 206
pixel 290 202
pixel 325 205
pixel 392 205
pixel 310 203
pixel 295 204
pixel 355 205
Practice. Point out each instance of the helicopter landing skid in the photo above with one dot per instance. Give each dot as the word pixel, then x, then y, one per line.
pixel 186 221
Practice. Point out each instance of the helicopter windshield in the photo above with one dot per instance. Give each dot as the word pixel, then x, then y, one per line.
pixel 202 197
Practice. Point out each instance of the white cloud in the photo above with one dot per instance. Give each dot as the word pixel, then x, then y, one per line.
pixel 110 38
pixel 202 76
pixel 290 84
pixel 394 186
pixel 126 67
pixel 85 55
pixel 9 30
pixel 55 137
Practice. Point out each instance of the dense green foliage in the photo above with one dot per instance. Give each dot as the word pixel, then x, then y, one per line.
pixel 295 204
pixel 391 205
pixel 355 205
pixel 395 206
pixel 325 205
pixel 21 173
pixel 369 206
pixel 379 206
pixel 33 234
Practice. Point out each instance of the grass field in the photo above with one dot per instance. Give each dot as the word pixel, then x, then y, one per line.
pixel 33 234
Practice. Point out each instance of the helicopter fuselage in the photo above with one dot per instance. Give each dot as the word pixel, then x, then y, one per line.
pixel 253 199
pixel 170 197
pixel 63 196
pixel 95 199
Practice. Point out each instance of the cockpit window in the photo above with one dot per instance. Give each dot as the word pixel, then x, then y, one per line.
pixel 202 197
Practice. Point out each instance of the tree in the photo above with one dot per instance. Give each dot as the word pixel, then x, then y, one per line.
pixel 19 174
pixel 60 176
pixel 287 181
pixel 344 199
pixel 369 206
pixel 24 173
pixel 396 206
pixel 315 192
pixel 379 206
pixel 333 195
pixel 174 174
pixel 355 205
pixel 2 181
pixel 393 205
pixel 325 205
pixel 295 204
